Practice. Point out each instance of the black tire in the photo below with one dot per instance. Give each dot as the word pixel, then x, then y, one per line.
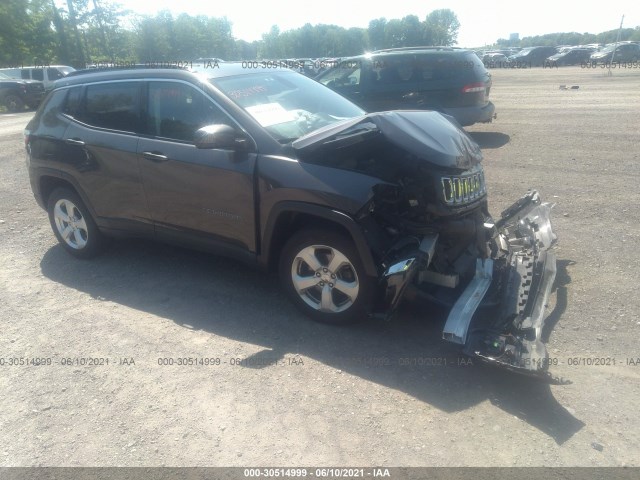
pixel 14 103
pixel 347 290
pixel 82 238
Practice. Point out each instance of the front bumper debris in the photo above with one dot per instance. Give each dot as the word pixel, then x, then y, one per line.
pixel 521 275
pixel 498 317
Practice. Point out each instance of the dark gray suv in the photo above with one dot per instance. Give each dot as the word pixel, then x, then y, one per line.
pixel 352 209
pixel 445 79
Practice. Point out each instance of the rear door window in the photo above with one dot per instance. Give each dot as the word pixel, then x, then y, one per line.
pixel 397 70
pixel 115 106
pixel 73 102
pixel 37 74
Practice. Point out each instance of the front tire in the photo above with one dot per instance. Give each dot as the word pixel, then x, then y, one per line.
pixel 323 275
pixel 73 225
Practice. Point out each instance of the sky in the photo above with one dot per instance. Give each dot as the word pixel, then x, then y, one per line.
pixel 481 22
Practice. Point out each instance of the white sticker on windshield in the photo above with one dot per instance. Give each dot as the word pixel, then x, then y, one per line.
pixel 269 114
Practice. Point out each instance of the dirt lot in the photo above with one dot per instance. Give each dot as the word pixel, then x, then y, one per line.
pixel 308 394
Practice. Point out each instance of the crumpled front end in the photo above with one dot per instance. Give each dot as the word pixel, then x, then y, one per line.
pixel 497 287
pixel 430 233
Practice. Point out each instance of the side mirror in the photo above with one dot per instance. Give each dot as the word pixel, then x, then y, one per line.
pixel 220 136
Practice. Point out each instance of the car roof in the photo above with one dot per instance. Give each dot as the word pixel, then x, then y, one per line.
pixel 407 51
pixel 414 50
pixel 198 72
pixel 401 49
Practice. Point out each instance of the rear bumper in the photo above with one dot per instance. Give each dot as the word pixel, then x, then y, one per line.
pixel 466 116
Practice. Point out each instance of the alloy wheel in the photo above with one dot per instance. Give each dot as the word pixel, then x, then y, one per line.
pixel 324 278
pixel 71 224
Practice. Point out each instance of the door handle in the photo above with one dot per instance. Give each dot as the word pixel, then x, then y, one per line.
pixel 155 157
pixel 74 141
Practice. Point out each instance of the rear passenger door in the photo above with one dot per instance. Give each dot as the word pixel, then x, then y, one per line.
pixel 102 152
pixel 199 196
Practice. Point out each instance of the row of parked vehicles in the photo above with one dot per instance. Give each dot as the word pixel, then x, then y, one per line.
pixel 375 79
pixel 563 55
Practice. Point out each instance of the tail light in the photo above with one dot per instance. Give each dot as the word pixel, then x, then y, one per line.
pixel 474 87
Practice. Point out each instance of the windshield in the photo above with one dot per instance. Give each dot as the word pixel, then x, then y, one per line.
pixel 288 105
pixel 4 77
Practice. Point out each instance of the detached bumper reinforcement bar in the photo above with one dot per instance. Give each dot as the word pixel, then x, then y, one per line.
pixel 457 326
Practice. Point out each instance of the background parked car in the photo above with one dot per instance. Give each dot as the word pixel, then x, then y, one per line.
pixel 532 56
pixel 47 75
pixel 16 93
pixel 573 56
pixel 624 52
pixel 449 80
pixel 494 60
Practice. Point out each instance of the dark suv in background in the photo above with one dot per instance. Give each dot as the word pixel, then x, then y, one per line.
pixel 271 167
pixel 622 52
pixel 573 56
pixel 15 93
pixel 531 57
pixel 448 80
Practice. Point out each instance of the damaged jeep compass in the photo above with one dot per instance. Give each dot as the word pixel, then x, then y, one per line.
pixel 353 210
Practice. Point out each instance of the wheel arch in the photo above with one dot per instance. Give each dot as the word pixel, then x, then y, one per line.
pixel 48 181
pixel 289 217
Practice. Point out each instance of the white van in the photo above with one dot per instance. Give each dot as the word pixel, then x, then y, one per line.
pixel 47 74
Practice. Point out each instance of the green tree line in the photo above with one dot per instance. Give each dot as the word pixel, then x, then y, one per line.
pixel 81 32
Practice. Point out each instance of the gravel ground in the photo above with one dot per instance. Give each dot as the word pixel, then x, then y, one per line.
pixel 307 394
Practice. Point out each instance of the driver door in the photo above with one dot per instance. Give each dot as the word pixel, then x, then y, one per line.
pixel 204 196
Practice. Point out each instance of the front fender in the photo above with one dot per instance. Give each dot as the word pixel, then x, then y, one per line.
pixel 349 224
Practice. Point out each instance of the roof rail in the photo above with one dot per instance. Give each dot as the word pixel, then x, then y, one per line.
pixel 399 49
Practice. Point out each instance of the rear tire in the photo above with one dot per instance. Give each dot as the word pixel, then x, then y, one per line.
pixel 322 273
pixel 73 225
pixel 14 103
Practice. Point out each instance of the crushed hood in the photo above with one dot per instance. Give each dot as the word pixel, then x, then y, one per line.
pixel 430 136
